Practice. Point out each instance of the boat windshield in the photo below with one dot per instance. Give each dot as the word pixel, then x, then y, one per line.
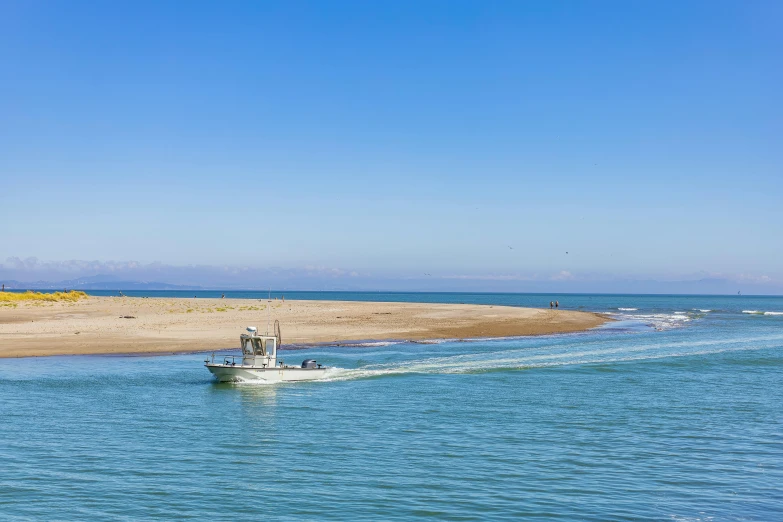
pixel 252 346
pixel 258 347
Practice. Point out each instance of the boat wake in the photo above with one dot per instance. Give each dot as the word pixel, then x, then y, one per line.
pixel 528 358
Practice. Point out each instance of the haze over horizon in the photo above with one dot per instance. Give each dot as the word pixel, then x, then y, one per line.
pixel 518 146
pixel 104 275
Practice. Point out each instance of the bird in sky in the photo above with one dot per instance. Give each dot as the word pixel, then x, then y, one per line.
pixel 511 248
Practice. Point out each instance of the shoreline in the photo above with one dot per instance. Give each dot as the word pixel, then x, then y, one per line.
pixel 363 343
pixel 167 326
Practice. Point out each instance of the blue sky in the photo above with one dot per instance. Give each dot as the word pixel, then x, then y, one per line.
pixel 396 139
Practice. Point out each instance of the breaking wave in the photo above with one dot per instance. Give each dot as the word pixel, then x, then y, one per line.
pixel 660 321
pixel 761 312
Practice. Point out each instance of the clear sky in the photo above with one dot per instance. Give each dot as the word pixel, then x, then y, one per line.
pixel 397 138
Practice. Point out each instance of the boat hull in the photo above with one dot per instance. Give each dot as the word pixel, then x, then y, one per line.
pixel 238 373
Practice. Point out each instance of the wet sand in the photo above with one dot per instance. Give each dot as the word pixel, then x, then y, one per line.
pixel 115 325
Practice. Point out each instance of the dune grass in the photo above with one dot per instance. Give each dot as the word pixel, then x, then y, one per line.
pixel 17 297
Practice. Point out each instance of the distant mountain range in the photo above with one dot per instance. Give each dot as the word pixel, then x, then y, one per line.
pixel 98 282
pixel 428 284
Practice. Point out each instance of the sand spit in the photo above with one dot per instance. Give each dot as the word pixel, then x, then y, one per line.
pixel 114 325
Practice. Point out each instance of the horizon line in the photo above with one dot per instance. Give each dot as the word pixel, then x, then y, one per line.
pixel 87 291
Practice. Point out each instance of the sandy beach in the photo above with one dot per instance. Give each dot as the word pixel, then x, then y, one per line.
pixel 113 325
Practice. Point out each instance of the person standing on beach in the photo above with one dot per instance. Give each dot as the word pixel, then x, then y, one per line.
pixel 557 304
pixel 551 304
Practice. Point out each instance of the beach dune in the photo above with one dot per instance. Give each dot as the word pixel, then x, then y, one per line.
pixel 112 325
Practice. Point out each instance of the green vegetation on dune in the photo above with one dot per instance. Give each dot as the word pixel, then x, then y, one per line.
pixel 16 297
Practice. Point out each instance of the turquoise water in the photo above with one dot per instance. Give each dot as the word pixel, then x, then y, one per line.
pixel 671 413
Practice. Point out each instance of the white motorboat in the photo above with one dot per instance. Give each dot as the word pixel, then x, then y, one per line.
pixel 259 363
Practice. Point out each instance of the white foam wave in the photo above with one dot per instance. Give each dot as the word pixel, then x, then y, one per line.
pixel 702 310
pixel 657 321
pixel 628 309
pixel 368 344
pixel 758 312
pixel 773 313
pixel 680 313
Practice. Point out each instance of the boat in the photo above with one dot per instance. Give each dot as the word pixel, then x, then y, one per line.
pixel 259 363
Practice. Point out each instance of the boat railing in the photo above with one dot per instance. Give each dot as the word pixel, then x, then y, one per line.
pixel 227 359
pixel 230 360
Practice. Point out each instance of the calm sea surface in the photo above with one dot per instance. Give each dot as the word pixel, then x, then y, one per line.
pixel 674 412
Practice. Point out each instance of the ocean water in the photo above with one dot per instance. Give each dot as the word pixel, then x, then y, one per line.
pixel 673 412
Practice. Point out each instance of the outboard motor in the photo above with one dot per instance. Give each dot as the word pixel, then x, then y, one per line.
pixel 308 363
